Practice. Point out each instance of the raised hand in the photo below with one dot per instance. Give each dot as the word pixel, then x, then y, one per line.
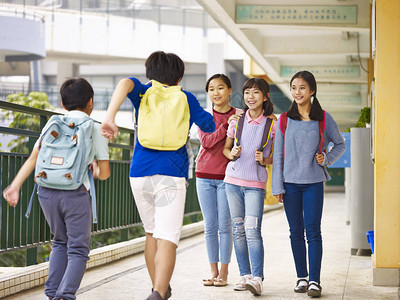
pixel 109 129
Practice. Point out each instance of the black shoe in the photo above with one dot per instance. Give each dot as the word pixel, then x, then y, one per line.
pixel 314 293
pixel 301 288
pixel 168 293
pixel 154 296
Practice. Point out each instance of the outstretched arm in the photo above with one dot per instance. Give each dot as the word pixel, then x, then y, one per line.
pixel 108 127
pixel 11 193
pixel 208 140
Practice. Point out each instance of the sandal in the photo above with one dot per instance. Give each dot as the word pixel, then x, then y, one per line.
pixel 301 288
pixel 209 282
pixel 220 282
pixel 314 290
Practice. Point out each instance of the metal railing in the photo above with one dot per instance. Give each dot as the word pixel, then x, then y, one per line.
pixel 185 16
pixel 102 96
pixel 115 204
pixel 21 12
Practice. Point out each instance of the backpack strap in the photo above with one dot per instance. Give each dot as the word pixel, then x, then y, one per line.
pixel 92 195
pixel 321 125
pixel 28 210
pixel 266 134
pixel 283 122
pixel 265 137
pixel 239 129
pixel 283 125
pixel 238 132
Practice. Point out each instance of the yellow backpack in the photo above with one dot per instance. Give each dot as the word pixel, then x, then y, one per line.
pixel 163 122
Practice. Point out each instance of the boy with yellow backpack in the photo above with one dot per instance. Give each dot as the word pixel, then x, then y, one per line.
pixel 160 162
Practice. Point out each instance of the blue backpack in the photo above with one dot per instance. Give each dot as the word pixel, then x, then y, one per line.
pixel 64 156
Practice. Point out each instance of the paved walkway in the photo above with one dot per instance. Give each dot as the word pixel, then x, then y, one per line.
pixel 343 276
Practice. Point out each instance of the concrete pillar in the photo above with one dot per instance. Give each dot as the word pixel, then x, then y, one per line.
pixel 362 191
pixel 36 75
pixel 386 262
pixel 347 188
pixel 66 70
pixel 215 62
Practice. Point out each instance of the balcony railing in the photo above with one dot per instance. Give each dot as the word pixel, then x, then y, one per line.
pixel 102 96
pixel 115 204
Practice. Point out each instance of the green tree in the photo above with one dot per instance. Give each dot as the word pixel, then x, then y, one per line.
pixel 365 117
pixel 116 153
pixel 13 259
pixel 23 120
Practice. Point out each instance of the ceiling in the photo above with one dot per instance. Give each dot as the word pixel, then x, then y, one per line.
pixel 329 38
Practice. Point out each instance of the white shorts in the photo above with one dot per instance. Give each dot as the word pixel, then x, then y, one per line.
pixel 160 200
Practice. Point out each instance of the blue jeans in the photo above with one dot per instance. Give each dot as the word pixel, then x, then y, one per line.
pixel 215 209
pixel 247 205
pixel 303 206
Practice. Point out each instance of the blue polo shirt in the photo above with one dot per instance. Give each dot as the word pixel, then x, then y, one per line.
pixel 148 162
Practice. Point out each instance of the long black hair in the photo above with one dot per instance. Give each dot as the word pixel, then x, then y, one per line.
pixel 263 86
pixel 316 112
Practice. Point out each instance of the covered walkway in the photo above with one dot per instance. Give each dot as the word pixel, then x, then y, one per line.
pixel 343 276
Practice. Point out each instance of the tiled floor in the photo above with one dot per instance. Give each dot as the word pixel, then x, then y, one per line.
pixel 343 276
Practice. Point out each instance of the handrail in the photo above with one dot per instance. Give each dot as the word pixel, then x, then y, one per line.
pixel 26 109
pixel 12 10
pixel 115 204
pixel 191 16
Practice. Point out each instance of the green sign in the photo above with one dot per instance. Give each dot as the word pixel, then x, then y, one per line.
pixel 340 99
pixel 296 14
pixel 323 71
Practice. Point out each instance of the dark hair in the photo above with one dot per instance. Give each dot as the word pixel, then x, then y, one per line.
pixel 76 93
pixel 316 112
pixel 263 86
pixel 166 68
pixel 223 77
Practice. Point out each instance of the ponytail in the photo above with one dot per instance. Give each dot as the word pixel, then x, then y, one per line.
pixel 316 111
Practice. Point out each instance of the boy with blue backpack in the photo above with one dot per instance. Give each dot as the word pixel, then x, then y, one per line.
pixel 61 158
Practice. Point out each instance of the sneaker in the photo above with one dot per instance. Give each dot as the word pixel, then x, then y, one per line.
pixel 254 286
pixel 301 286
pixel 154 296
pixel 168 293
pixel 314 290
pixel 241 285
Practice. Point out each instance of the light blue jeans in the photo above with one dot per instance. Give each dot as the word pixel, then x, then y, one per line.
pixel 246 206
pixel 217 219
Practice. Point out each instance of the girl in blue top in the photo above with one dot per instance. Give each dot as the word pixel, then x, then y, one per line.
pixel 299 173
pixel 158 178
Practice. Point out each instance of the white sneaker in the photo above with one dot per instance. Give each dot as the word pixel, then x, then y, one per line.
pixel 254 286
pixel 241 285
